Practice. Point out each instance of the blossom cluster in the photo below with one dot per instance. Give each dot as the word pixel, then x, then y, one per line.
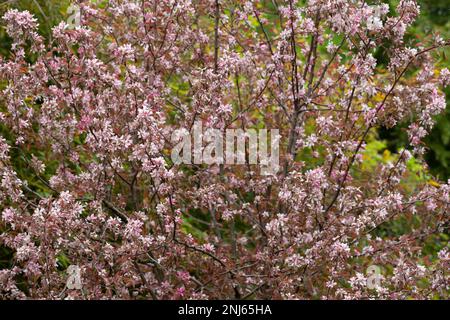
pixel 90 114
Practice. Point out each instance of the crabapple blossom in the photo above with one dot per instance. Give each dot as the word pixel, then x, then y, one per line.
pixel 90 115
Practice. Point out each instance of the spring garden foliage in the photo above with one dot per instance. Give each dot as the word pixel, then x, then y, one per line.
pixel 87 179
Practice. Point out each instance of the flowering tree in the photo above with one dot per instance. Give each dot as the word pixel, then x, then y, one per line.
pixel 90 116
